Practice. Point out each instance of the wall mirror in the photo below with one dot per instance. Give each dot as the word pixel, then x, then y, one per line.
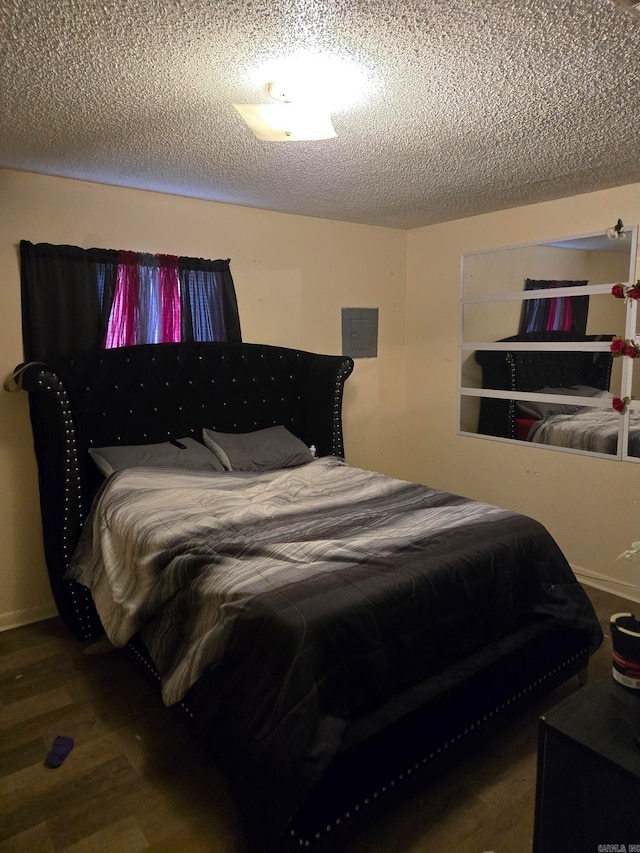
pixel 537 327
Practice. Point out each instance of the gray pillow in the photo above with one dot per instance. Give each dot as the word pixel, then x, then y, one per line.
pixel 263 450
pixel 192 456
pixel 543 410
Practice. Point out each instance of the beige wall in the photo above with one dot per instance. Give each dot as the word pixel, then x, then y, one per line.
pixel 591 506
pixel 292 274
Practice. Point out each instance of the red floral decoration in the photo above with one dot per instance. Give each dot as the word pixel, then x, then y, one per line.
pixel 620 403
pixel 626 291
pixel 624 346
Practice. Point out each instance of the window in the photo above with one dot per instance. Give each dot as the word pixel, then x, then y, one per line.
pixel 76 301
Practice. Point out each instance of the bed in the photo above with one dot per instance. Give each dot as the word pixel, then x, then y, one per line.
pixel 586 428
pixel 538 371
pixel 331 636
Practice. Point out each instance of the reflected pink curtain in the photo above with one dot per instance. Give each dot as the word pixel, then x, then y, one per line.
pixel 556 314
pixel 560 315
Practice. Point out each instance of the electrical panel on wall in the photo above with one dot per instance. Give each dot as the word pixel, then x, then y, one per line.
pixel 360 332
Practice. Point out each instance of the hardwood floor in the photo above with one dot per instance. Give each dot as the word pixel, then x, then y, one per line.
pixel 137 781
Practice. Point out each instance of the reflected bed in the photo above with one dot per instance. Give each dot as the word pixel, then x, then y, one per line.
pixel 537 371
pixel 596 430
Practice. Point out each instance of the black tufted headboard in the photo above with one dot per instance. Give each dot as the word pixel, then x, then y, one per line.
pixel 532 370
pixel 151 393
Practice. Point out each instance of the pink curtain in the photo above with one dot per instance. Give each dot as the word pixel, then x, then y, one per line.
pixel 560 314
pixel 169 293
pixel 557 313
pixel 146 304
pixel 567 315
pixel 123 323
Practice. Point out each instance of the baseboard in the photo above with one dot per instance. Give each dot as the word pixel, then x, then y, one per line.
pixel 17 618
pixel 608 584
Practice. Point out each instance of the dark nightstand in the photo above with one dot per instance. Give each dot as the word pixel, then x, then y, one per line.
pixel 588 785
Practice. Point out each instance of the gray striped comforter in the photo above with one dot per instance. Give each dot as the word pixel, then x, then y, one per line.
pixel 306 596
pixel 589 429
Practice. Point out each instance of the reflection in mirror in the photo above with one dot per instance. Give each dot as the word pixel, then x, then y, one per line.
pixel 634 434
pixel 555 422
pixel 552 373
pixel 493 321
pixel 594 259
pixel 537 323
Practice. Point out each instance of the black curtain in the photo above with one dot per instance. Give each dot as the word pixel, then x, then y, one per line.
pixel 67 296
pixel 209 308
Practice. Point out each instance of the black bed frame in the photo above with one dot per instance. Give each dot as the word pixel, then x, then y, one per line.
pixel 520 370
pixel 152 393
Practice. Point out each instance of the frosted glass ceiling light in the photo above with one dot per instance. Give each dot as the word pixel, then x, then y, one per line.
pixel 334 82
pixel 288 120
pixel 308 87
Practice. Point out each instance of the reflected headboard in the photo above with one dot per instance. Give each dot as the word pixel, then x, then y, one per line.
pixel 530 371
pixel 152 393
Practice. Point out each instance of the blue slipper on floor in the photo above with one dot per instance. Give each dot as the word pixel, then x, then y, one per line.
pixel 62 746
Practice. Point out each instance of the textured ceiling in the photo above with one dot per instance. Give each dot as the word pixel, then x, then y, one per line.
pixel 470 106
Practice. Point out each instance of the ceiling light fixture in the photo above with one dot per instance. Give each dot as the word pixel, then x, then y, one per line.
pixel 286 120
pixel 307 88
pixel 318 78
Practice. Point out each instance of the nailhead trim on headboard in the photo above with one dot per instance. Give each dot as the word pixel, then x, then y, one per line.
pixel 337 447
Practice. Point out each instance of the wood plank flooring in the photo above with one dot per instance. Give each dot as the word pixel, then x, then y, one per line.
pixel 137 781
